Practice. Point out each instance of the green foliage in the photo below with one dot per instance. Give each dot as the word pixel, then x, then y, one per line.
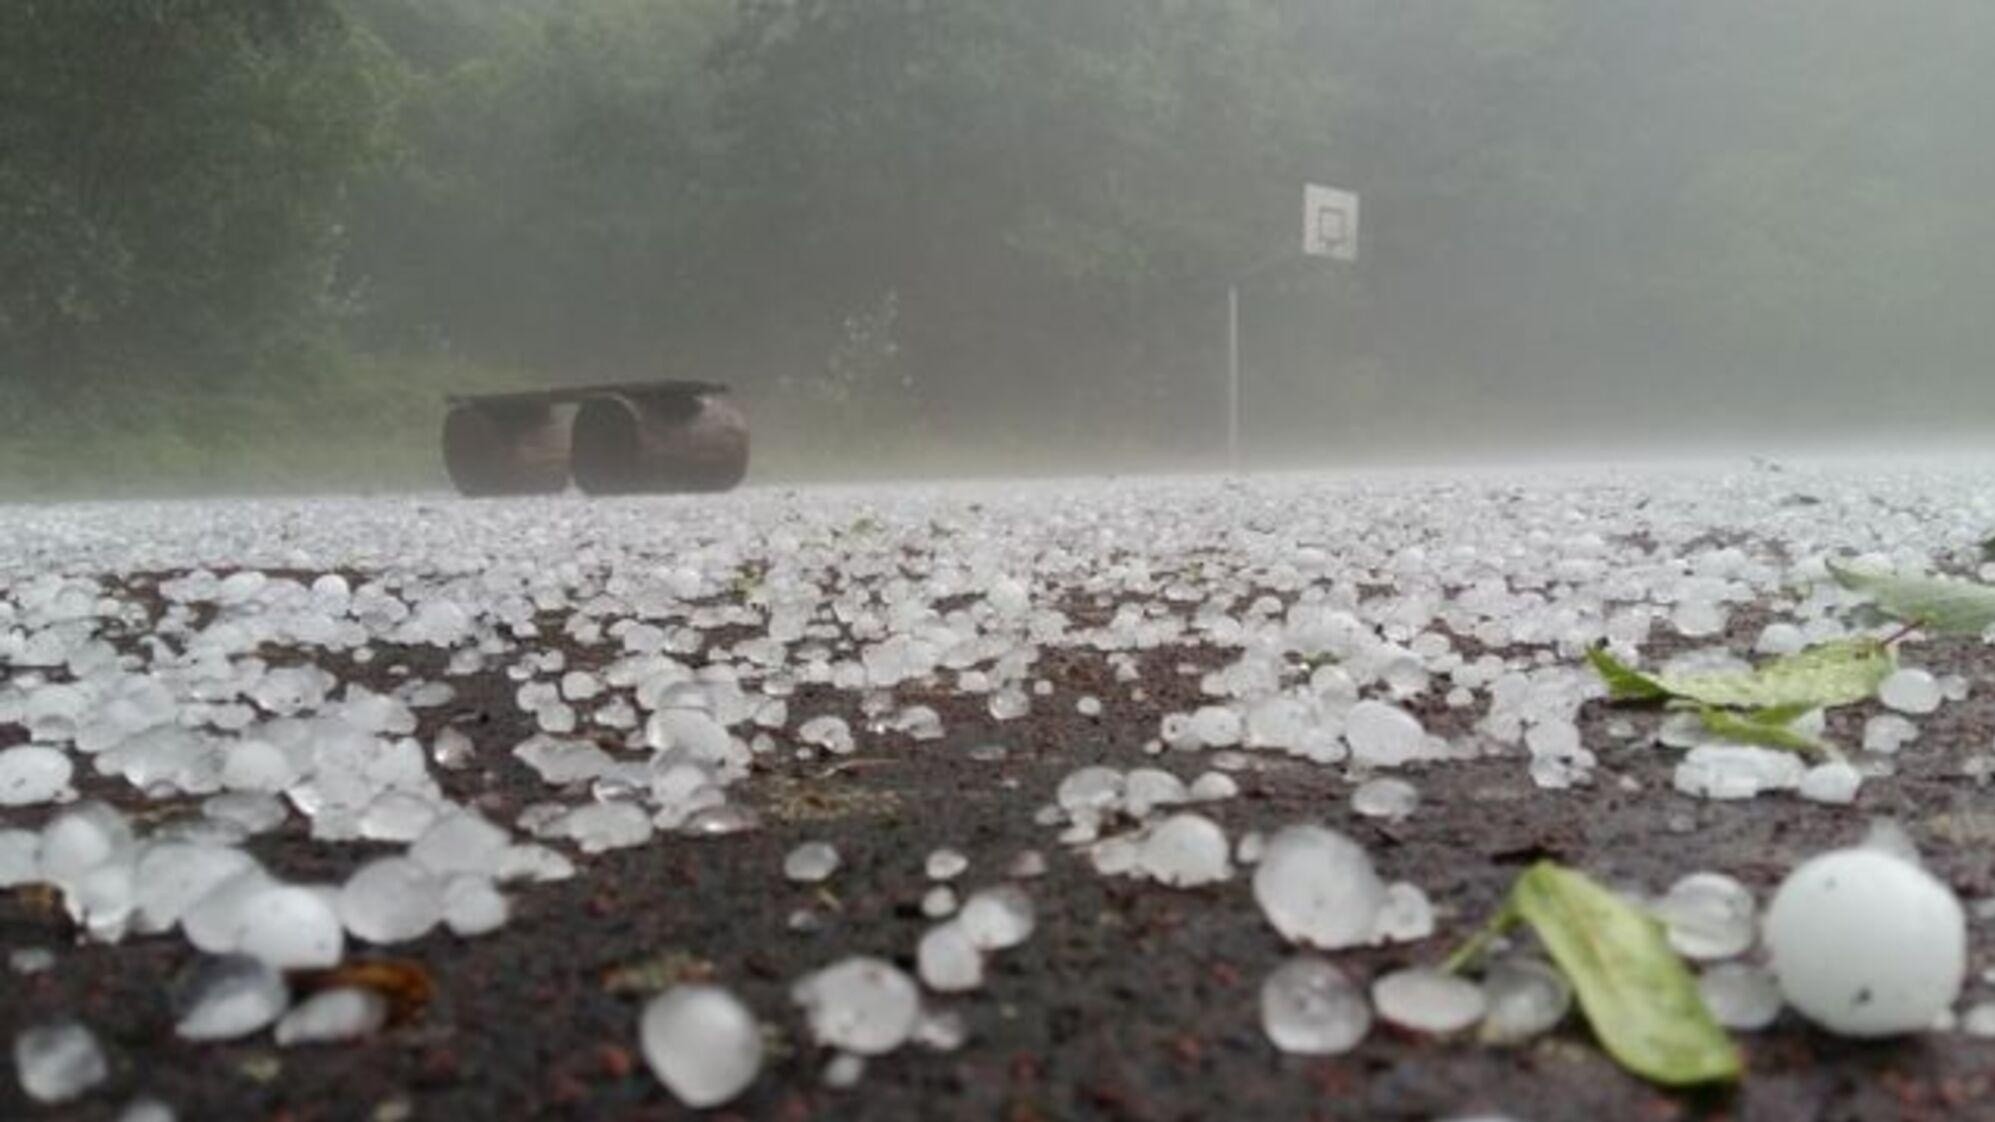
pixel 1835 673
pixel 341 424
pixel 1773 728
pixel 216 197
pixel 1641 1001
pixel 1933 603
pixel 171 191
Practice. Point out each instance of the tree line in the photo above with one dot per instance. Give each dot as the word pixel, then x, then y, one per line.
pixel 953 214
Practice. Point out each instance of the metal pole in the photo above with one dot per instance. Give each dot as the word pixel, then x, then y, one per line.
pixel 1233 376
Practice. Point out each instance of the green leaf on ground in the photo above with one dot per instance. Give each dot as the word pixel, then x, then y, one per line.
pixel 1773 728
pixel 1624 682
pixel 1641 1001
pixel 1834 673
pixel 1933 603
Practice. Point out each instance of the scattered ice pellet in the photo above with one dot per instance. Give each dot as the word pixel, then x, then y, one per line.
pixel 59 1062
pixel 1406 916
pixel 1740 995
pixel 229 997
pixel 1027 865
pixel 1092 788
pixel 533 863
pixel 811 863
pixel 1910 690
pixel 452 749
pixel 844 1071
pixel 1309 1008
pixel 173 876
pixel 20 857
pixel 998 918
pixel 1698 619
pixel 1387 798
pixel 1185 851
pixel 603 826
pixel 213 923
pixel 34 773
pixel 827 732
pixel 938 902
pixel 1885 733
pixel 1780 638
pixel 391 900
pixel 948 961
pixel 397 816
pixel 1383 735
pixel 1212 786
pixel 1216 726
pixel 1708 916
pixel 80 839
pixel 862 1005
pixel 1526 999
pixel 702 1043
pixel 472 906
pixel 1009 704
pixel 559 762
pixel 461 842
pixel 1430 1001
pixel 334 1015
pixel 945 864
pixel 291 927
pixel 1728 771
pixel 147 1109
pixel 1317 887
pixel 1835 782
pixel 941 1030
pixel 1147 788
pixel 1865 943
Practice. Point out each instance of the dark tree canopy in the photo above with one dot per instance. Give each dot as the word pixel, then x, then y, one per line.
pixel 951 216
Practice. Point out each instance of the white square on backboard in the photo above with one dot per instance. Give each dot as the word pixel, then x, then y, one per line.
pixel 1329 222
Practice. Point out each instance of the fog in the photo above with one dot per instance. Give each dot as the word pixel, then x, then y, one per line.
pixel 253 246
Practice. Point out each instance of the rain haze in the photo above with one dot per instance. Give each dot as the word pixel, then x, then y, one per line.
pixel 1026 559
pixel 253 247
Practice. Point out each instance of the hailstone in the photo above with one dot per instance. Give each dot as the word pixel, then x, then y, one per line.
pixel 1866 943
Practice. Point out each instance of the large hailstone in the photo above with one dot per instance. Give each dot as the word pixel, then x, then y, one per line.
pixel 1317 887
pixel 1865 943
pixel 702 1043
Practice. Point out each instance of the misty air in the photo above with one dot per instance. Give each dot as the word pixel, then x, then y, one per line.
pixel 1045 559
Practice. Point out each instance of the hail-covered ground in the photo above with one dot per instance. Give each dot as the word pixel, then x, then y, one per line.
pixel 1140 798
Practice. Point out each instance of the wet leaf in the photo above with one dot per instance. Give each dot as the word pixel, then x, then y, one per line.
pixel 1641 1001
pixel 1773 728
pixel 1624 682
pixel 405 983
pixel 1933 603
pixel 1834 673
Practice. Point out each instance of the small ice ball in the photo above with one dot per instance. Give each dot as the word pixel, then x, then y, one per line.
pixel 1708 916
pixel 860 1004
pixel 58 1062
pixel 1426 1000
pixel 1185 851
pixel 1910 690
pixel 1308 1007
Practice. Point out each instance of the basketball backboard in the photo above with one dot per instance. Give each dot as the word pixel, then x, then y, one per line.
pixel 1329 222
